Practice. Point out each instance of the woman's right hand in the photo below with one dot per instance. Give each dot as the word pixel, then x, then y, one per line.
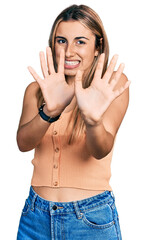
pixel 57 93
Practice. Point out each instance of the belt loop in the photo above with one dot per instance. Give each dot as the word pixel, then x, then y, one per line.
pixel 113 197
pixel 77 210
pixel 112 194
pixel 33 202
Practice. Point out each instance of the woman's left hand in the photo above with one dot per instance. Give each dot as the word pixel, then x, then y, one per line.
pixel 94 100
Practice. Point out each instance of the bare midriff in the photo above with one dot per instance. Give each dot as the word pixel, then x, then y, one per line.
pixel 64 194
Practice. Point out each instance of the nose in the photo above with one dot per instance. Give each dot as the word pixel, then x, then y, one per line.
pixel 69 51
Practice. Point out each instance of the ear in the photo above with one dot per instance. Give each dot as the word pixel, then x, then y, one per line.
pixel 96 53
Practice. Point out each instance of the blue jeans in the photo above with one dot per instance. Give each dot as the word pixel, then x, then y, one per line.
pixel 91 218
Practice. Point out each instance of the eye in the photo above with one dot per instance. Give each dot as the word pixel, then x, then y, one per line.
pixel 80 42
pixel 61 41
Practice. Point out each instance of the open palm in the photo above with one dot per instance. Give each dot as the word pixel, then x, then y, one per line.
pixel 94 100
pixel 56 92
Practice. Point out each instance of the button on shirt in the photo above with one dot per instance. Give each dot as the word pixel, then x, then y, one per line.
pixel 57 154
pixel 58 164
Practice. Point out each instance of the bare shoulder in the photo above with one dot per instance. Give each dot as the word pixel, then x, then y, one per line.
pixel 122 80
pixel 29 108
pixel 116 111
pixel 30 95
pixel 33 87
pixel 124 97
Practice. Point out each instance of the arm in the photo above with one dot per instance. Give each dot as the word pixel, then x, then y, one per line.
pixel 100 138
pixel 99 141
pixel 31 126
pixel 103 105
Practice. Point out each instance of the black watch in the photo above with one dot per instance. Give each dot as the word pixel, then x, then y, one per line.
pixel 45 117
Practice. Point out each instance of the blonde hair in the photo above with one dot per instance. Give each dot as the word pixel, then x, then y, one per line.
pixel 92 21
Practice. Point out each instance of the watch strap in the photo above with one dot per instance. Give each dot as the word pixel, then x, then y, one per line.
pixel 45 117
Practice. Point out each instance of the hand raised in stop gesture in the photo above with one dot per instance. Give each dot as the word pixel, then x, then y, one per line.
pixel 57 93
pixel 94 100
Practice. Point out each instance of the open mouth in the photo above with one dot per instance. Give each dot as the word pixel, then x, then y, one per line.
pixel 71 64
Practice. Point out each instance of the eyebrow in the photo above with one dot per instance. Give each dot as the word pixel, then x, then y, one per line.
pixel 76 38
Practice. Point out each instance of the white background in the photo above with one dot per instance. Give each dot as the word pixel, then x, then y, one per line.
pixel 25 28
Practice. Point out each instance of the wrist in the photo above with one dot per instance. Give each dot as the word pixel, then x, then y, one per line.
pixel 52 114
pixel 46 117
pixel 93 124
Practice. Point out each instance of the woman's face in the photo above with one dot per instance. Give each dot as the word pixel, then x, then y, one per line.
pixel 78 43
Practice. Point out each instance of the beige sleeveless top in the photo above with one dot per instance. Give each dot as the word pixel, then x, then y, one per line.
pixel 58 164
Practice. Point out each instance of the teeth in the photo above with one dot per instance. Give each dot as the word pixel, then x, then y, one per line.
pixel 71 62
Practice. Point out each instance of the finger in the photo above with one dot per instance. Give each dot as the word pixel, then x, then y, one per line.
pixel 122 89
pixel 43 64
pixel 117 75
pixel 99 68
pixel 78 81
pixel 35 75
pixel 110 68
pixel 61 61
pixel 50 63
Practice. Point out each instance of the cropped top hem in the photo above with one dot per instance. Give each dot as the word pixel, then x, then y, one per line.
pixel 94 188
pixel 58 164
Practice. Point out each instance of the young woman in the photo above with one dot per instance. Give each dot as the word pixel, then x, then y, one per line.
pixel 81 103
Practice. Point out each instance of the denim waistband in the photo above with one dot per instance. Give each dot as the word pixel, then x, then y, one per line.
pixel 69 207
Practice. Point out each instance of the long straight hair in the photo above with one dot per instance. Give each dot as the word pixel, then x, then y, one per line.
pixel 89 18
